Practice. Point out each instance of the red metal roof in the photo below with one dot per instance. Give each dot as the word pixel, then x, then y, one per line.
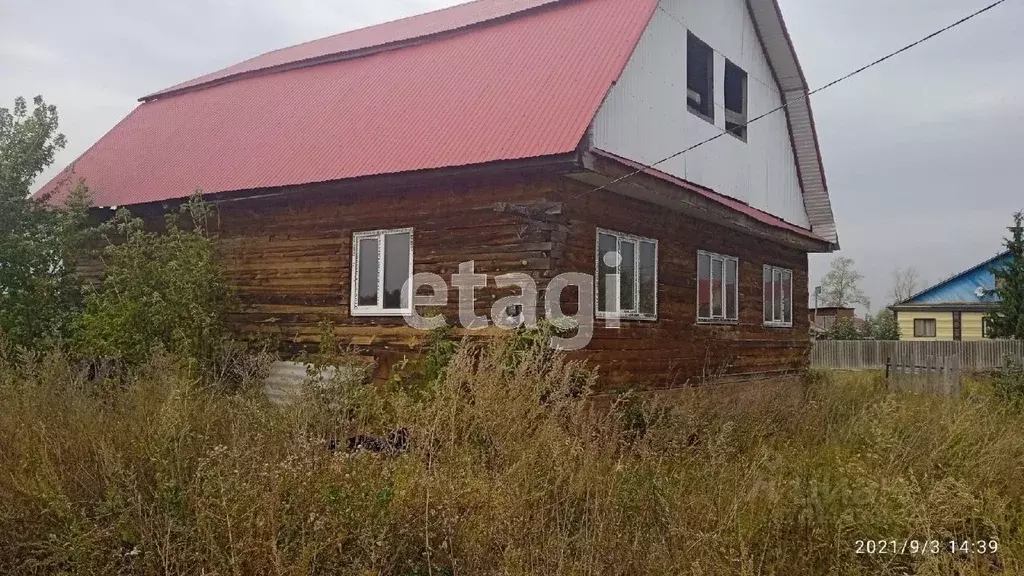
pixel 728 201
pixel 517 87
pixel 418 26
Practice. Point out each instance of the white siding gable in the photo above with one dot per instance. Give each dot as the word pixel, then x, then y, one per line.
pixel 645 118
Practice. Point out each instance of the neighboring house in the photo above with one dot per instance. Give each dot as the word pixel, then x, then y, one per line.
pixel 514 134
pixel 953 309
pixel 822 319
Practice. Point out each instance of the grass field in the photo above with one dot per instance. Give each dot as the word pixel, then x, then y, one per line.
pixel 508 470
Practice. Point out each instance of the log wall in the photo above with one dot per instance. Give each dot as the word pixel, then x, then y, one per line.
pixel 676 350
pixel 289 257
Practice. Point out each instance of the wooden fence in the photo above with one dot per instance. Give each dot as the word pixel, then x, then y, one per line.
pixel 925 375
pixel 872 354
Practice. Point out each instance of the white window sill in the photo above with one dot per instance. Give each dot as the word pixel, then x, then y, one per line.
pixel 380 312
pixel 627 317
pixel 778 325
pixel 717 322
pixel 701 115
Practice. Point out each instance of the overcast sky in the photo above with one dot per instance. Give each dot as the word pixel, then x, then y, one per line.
pixel 921 153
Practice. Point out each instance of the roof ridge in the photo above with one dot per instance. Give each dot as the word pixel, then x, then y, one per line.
pixel 462 17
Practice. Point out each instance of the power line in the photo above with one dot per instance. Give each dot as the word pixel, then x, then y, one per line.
pixel 741 127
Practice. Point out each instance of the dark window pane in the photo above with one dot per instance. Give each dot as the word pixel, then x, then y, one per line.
pixel 700 76
pixel 767 295
pixel 367 273
pixel 703 286
pixel 716 287
pixel 648 278
pixel 396 271
pixel 607 264
pixel 787 299
pixel 731 280
pixel 735 88
pixel 627 278
pixel 735 100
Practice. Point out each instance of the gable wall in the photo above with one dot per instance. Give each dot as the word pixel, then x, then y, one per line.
pixel 644 118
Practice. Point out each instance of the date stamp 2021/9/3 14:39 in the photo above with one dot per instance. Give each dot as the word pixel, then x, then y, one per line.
pixel 899 547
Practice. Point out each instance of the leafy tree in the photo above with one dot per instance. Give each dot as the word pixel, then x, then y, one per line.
pixel 883 326
pixel 39 294
pixel 905 282
pixel 841 286
pixel 1007 321
pixel 158 289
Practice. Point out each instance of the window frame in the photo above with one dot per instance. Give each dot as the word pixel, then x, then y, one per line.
pixel 634 314
pixel 986 327
pixel 934 324
pixel 740 133
pixel 765 301
pixel 710 117
pixel 724 259
pixel 378 310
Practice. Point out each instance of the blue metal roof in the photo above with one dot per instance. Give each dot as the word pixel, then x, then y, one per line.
pixel 963 288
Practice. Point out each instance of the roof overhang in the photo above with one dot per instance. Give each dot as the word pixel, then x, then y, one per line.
pixel 782 59
pixel 458 177
pixel 946 307
pixel 606 171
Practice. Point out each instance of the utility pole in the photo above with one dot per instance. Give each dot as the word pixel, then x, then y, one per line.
pixel 817 293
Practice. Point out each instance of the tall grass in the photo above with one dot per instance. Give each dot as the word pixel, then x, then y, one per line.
pixel 511 469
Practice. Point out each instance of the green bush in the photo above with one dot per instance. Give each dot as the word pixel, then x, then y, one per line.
pixel 40 296
pixel 159 289
pixel 1009 383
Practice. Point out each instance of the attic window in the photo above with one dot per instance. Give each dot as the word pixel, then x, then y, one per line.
pixel 700 78
pixel 735 101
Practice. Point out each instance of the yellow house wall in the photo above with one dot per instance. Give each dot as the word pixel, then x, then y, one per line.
pixel 943 325
pixel 970 325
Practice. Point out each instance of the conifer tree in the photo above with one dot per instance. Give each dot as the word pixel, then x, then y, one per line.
pixel 1007 321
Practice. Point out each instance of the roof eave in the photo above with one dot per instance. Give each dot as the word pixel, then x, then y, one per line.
pixel 789 77
pixel 603 169
pixel 945 307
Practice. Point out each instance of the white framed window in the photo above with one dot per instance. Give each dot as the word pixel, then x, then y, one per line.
pixel 634 262
pixel 778 296
pixel 381 270
pixel 717 288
